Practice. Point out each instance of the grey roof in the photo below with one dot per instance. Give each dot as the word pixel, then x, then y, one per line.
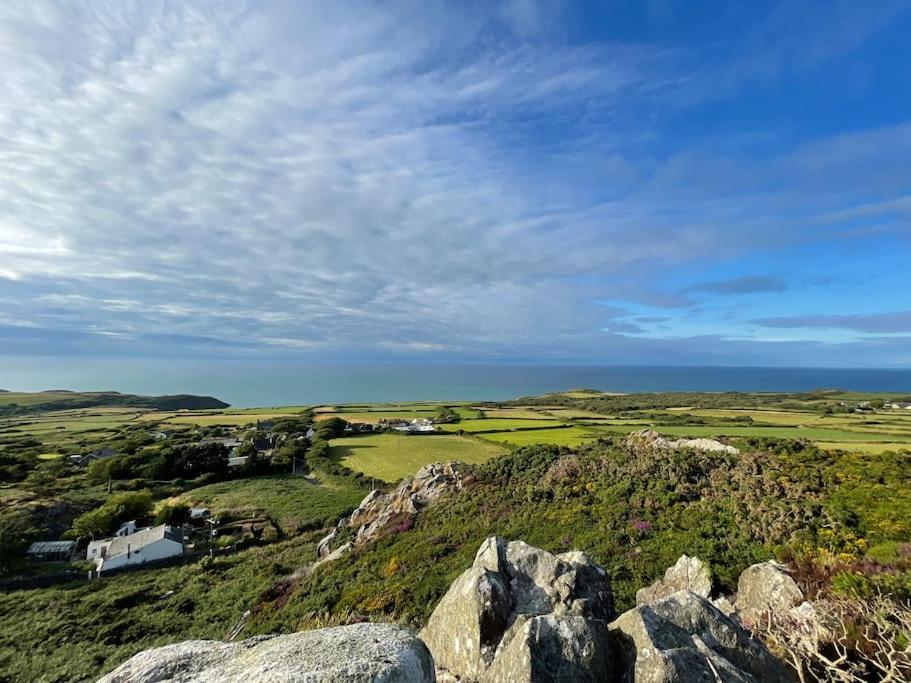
pixel 140 539
pixel 50 547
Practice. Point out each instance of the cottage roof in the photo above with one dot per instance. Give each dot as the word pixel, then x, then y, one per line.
pixel 42 547
pixel 140 539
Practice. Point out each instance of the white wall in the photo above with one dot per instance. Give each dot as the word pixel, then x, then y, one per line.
pixel 157 550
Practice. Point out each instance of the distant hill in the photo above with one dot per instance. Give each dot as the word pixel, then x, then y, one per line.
pixel 14 403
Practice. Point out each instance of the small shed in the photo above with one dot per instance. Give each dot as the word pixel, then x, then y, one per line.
pixel 199 513
pixel 51 551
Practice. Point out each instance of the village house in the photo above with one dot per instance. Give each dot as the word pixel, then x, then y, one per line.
pixel 417 426
pixel 88 458
pixel 358 427
pixel 136 548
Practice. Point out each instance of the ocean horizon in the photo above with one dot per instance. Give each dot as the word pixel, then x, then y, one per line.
pixel 246 383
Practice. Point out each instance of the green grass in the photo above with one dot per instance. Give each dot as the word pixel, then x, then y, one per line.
pixel 865 447
pixel 209 419
pixel 291 500
pixel 567 436
pixel 522 413
pixel 391 457
pixel 498 425
pixel 811 433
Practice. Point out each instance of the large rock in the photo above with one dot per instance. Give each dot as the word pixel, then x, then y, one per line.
pixel 649 438
pixel 485 626
pixel 465 628
pixel 765 589
pixel 683 638
pixel 688 574
pixel 374 653
pixel 551 648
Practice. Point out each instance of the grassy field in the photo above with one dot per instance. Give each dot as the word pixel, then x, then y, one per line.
pixel 521 413
pixel 811 433
pixel 567 436
pixel 865 447
pixel 391 457
pixel 498 425
pixel 292 501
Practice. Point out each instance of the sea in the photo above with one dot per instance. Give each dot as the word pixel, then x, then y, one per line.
pixel 246 383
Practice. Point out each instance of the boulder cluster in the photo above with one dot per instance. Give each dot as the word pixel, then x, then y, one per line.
pixel 520 614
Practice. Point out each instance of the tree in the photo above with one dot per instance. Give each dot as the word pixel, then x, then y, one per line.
pixel 97 522
pixel 330 428
pixel 445 414
pixel 284 456
pixel 173 513
pixel 119 508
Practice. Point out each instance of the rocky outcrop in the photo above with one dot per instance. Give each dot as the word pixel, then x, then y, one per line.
pixel 519 612
pixel 648 438
pixel 379 511
pixel 688 574
pixel 765 589
pixel 361 653
pixel 683 638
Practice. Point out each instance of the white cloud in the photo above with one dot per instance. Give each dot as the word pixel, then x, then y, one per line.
pixel 417 176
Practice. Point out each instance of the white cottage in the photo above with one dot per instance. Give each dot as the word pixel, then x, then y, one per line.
pixel 145 545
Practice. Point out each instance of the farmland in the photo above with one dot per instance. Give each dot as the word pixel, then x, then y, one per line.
pixel 392 456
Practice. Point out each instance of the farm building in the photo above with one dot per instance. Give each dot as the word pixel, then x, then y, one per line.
pixel 145 545
pixel 199 514
pixel 418 426
pixel 100 454
pixel 51 551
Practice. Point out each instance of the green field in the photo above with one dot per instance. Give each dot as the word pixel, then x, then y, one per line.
pixel 391 457
pixel 521 413
pixel 865 447
pixel 811 433
pixel 567 436
pixel 498 425
pixel 294 502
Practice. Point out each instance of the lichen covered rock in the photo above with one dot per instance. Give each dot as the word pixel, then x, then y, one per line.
pixel 688 574
pixel 486 625
pixel 765 589
pixel 359 653
pixel 683 638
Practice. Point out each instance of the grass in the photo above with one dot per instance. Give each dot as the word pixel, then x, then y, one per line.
pixel 209 419
pixel 498 425
pixel 864 447
pixel 567 436
pixel 811 433
pixel 524 413
pixel 391 457
pixel 292 501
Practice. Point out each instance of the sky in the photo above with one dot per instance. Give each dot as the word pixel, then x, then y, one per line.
pixel 651 182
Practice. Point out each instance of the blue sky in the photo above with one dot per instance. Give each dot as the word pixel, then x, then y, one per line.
pixel 649 182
